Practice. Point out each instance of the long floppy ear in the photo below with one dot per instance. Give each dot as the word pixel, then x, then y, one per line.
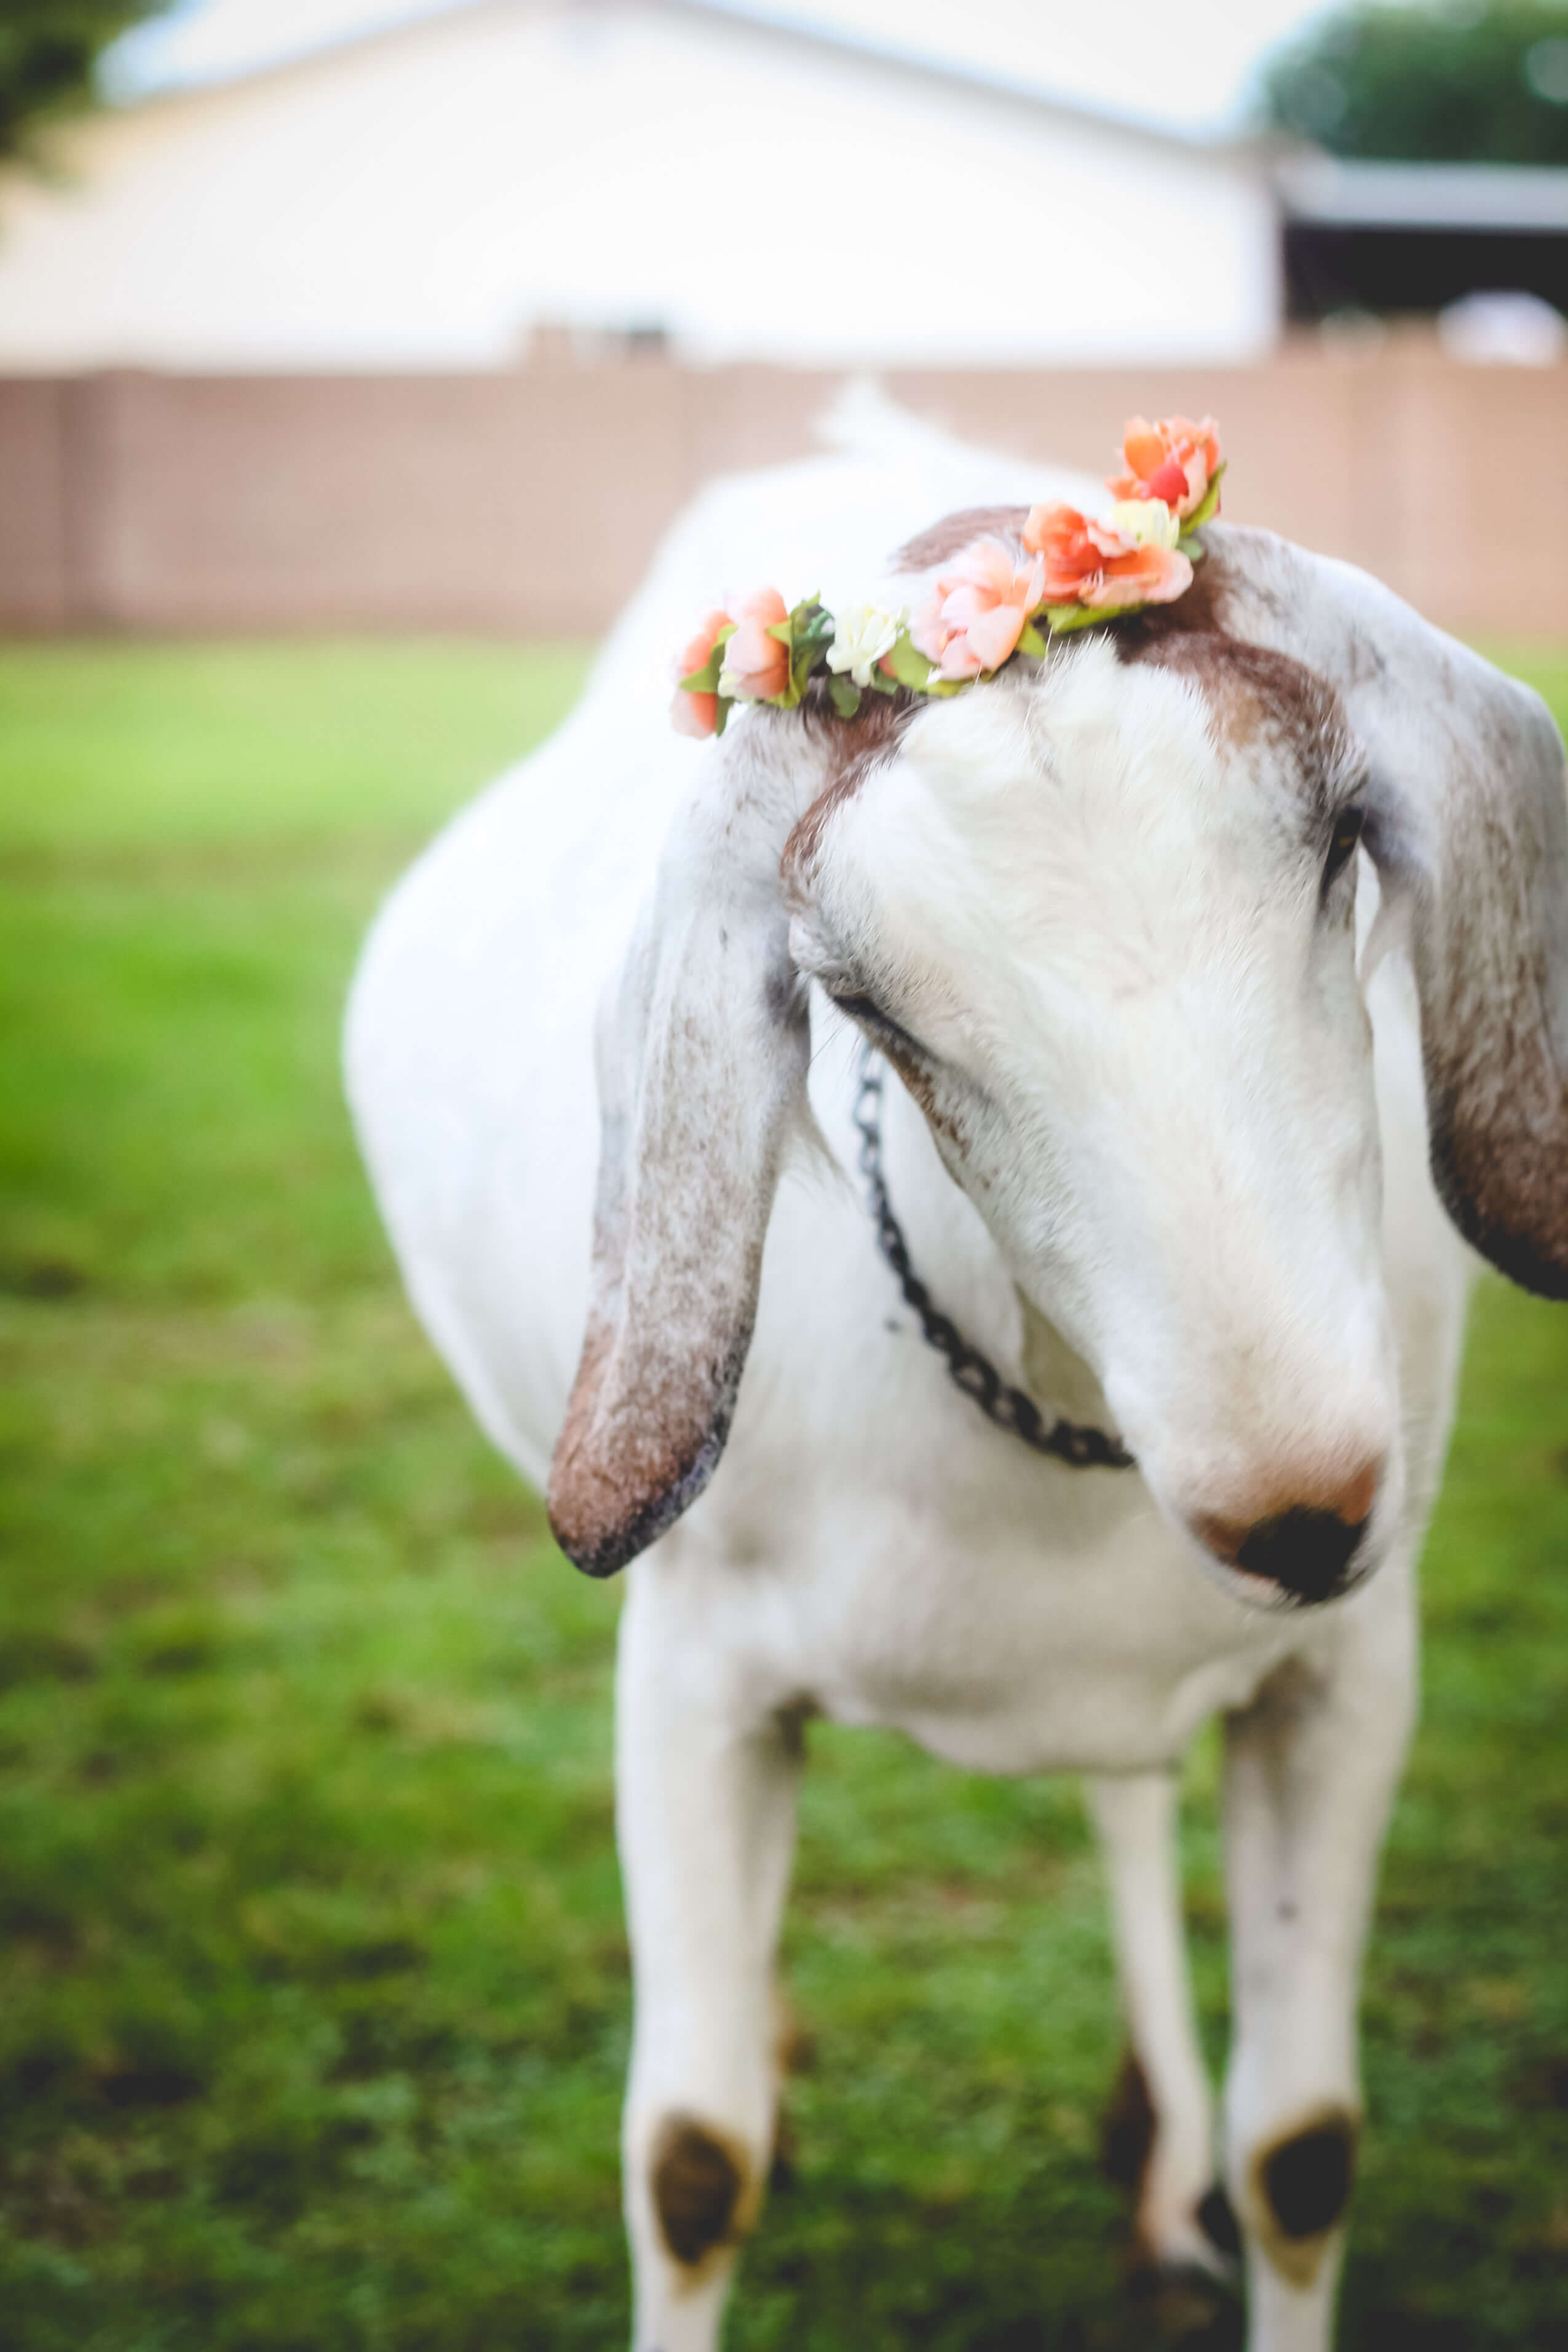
pixel 702 1050
pixel 1468 816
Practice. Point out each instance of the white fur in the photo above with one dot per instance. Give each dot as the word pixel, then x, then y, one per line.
pixel 1089 915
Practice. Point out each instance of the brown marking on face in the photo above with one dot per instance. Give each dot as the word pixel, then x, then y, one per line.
pixel 1299 2187
pixel 920 1086
pixel 860 746
pixel 1203 611
pixel 1263 702
pixel 856 747
pixel 1259 701
pixel 940 541
pixel 704 2190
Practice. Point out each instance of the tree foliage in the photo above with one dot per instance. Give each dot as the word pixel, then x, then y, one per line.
pixel 1484 83
pixel 48 51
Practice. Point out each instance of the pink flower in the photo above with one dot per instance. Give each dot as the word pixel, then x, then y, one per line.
pixel 1102 564
pixel 695 713
pixel 1174 460
pixel 756 666
pixel 975 613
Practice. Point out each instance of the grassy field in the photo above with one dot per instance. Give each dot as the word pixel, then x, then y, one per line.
pixel 314 1997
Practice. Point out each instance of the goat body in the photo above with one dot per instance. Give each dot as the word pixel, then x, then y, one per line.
pixel 872 1549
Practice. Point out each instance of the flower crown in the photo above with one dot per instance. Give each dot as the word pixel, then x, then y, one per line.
pixel 987 606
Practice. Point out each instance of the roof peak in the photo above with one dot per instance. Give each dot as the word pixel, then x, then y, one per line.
pixel 211 44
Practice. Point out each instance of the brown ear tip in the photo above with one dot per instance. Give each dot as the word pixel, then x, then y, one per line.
pixel 602 1520
pixel 595 1555
pixel 599 1541
pixel 1544 1275
pixel 1523 1229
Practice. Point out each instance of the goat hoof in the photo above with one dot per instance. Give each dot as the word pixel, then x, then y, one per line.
pixel 1215 2217
pixel 1187 2304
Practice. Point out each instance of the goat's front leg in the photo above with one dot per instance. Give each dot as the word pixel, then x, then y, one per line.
pixel 1166 2105
pixel 1310 1773
pixel 706 1807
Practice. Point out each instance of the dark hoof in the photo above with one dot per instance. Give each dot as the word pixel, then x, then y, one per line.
pixel 1216 2219
pixel 1183 2304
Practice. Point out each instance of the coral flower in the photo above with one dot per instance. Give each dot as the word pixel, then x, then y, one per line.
pixel 756 666
pixel 976 612
pixel 1174 460
pixel 695 713
pixel 1108 566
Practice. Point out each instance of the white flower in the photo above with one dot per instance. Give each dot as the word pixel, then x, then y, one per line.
pixel 730 683
pixel 864 633
pixel 1147 522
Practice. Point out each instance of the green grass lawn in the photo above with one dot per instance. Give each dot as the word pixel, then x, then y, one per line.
pixel 314 1999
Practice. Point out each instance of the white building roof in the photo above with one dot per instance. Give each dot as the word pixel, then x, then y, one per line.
pixel 1119 60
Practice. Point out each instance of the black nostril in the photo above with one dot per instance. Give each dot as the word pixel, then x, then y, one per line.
pixel 1304 1552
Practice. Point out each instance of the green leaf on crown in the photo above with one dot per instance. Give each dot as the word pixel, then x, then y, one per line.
pixel 846 695
pixel 705 679
pixel 1210 506
pixel 814 630
pixel 807 632
pixel 908 665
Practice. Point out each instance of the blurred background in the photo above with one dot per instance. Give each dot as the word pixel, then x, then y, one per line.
pixel 353 354
pixel 363 313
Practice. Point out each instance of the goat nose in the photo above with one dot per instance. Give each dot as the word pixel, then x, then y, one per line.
pixel 1305 1552
pixel 1306 1548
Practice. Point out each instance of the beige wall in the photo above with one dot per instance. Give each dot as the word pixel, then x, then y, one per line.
pixel 527 502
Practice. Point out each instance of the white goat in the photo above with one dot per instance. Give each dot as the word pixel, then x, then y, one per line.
pixel 1163 1154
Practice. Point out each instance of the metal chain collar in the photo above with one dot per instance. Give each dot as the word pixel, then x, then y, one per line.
pixel 1069 1441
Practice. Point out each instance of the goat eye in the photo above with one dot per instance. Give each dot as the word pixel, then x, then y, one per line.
pixel 881 1024
pixel 1346 833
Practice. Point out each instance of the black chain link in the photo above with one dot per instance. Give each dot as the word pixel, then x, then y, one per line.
pixel 1009 1408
